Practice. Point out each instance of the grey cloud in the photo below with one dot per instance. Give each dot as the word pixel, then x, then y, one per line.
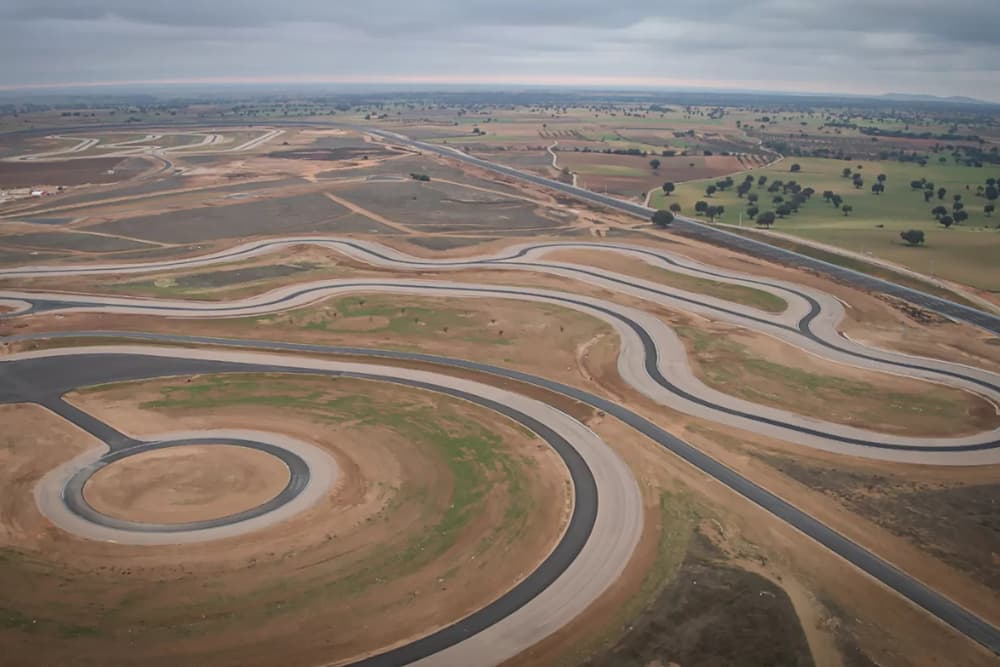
pixel 863 45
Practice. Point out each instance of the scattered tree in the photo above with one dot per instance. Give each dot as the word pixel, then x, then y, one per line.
pixel 878 188
pixel 913 237
pixel 881 178
pixel 941 192
pixel 668 187
pixel 700 206
pixel 752 212
pixel 765 219
pixel 946 221
pixel 846 172
pixel 654 163
pixel 960 216
pixel 989 208
pixel 662 219
pixel 796 167
pixel 711 190
pixel 992 192
pixel 846 208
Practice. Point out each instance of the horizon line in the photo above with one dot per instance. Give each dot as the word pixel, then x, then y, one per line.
pixel 620 83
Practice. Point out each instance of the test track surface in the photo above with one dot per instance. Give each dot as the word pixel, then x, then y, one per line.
pixel 652 358
pixel 602 533
pixel 607 520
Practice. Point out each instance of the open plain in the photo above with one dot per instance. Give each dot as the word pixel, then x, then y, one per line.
pixel 346 389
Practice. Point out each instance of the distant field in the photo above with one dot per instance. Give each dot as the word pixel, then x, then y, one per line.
pixel 967 253
pixel 631 175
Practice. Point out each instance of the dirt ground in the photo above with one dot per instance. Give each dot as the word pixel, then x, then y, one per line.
pixel 711 615
pixel 933 523
pixel 323 577
pixel 184 484
pixel 70 172
pixel 598 171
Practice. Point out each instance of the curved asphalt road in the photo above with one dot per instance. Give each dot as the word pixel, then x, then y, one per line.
pixel 652 359
pixel 602 533
pixel 718 236
pixel 19 378
pixel 688 226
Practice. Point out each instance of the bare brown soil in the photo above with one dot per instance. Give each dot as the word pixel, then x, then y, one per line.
pixel 846 618
pixel 184 484
pixel 68 172
pixel 347 576
pixel 952 517
pixel 675 169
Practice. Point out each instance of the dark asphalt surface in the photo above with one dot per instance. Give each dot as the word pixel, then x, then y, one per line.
pixel 27 380
pixel 938 605
pixel 298 478
pixel 131 368
pixel 650 351
pixel 718 236
pixel 684 225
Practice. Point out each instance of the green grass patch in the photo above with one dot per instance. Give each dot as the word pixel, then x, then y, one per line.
pixel 861 266
pixel 748 296
pixel 476 457
pixel 389 316
pixel 731 367
pixel 966 253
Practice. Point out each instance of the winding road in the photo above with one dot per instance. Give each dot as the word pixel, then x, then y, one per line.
pixel 607 517
pixel 652 358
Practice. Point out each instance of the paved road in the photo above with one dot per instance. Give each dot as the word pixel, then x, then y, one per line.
pixel 602 533
pixel 717 236
pixel 687 226
pixel 652 358
pixel 963 620
pixel 818 320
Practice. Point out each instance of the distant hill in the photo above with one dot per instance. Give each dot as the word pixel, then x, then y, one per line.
pixel 906 97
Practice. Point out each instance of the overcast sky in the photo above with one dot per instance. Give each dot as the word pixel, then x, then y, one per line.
pixel 853 46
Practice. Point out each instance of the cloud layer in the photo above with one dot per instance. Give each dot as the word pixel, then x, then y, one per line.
pixel 870 46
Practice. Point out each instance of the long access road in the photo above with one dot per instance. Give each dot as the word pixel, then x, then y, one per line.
pixel 685 225
pixel 475 636
pixel 717 236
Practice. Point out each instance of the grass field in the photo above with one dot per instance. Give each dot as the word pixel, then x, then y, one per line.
pixel 966 253
pixel 877 403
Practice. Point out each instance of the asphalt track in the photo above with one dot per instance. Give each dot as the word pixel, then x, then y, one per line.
pixel 604 528
pixel 718 236
pixel 90 360
pixel 652 359
pixel 688 226
pixel 18 386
